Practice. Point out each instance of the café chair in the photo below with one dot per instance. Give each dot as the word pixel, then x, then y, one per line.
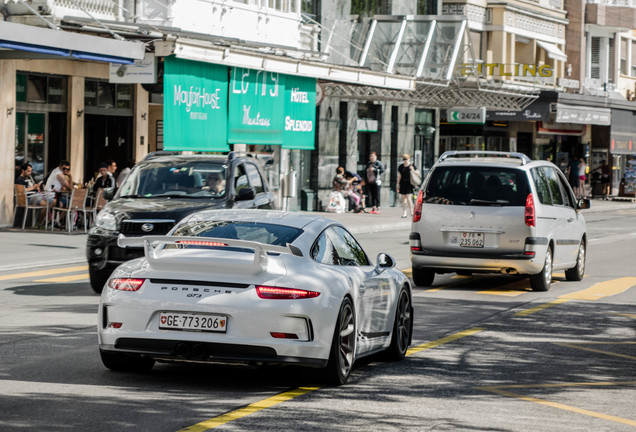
pixel 76 206
pixel 22 201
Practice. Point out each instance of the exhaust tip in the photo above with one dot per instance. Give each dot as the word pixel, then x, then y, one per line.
pixel 198 351
pixel 183 350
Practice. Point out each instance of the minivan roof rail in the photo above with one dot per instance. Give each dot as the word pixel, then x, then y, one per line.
pixel 484 153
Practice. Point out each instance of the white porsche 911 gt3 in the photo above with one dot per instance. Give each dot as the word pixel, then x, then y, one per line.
pixel 254 286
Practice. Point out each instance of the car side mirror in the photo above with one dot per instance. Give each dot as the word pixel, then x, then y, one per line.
pixel 246 194
pixel 384 261
pixel 583 203
pixel 109 193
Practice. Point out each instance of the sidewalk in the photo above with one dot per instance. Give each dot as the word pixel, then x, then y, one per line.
pixel 24 250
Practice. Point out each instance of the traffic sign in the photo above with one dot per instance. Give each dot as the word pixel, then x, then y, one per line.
pixel 466 115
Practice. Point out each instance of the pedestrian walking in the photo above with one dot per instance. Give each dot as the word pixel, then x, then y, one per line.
pixel 404 185
pixel 606 173
pixel 374 181
pixel 582 173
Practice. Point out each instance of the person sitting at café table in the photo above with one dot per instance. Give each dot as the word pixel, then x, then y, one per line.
pixel 105 178
pixel 60 180
pixel 31 188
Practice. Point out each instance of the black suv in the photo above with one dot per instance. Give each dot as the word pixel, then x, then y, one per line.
pixel 163 189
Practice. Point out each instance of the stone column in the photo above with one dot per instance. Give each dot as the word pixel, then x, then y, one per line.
pixel 75 136
pixel 7 140
pixel 140 123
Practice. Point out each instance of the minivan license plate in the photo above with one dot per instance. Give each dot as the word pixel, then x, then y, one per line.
pixel 471 239
pixel 192 322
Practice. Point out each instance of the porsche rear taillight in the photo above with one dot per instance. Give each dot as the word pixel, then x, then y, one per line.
pixel 529 216
pixel 278 293
pixel 126 284
pixel 417 213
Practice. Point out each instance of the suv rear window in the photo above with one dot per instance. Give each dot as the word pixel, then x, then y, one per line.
pixel 477 185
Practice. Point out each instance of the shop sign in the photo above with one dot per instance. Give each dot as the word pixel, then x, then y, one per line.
pixel 257 104
pixel 536 111
pixel 583 115
pixel 300 113
pixel 367 125
pixel 466 115
pixel 141 72
pixel 195 106
pixel 505 69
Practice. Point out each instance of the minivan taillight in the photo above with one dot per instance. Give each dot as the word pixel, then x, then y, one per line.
pixel 417 212
pixel 530 213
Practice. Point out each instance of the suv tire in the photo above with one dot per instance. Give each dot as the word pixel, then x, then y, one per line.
pixel 542 280
pixel 423 276
pixel 98 279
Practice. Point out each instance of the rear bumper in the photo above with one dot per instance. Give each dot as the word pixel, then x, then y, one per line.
pixel 207 352
pixel 510 263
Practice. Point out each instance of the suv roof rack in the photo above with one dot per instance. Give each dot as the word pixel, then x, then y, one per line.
pixel 484 153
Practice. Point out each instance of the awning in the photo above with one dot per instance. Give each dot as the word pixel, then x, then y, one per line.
pixel 553 51
pixel 583 115
pixel 41 40
pixel 208 52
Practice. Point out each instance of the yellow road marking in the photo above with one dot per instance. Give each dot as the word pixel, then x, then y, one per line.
pixel 283 397
pixel 541 307
pixel 624 314
pixel 603 289
pixel 502 292
pixel 71 278
pixel 250 409
pixel 500 390
pixel 48 272
pixel 577 346
pixel 443 340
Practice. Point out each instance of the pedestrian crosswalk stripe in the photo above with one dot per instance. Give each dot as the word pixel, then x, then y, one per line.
pixel 48 272
pixel 70 278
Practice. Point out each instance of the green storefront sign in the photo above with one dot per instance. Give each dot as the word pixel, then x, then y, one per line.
pixel 257 102
pixel 300 113
pixel 195 106
pixel 203 111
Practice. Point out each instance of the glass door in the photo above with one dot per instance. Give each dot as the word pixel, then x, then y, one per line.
pixel 30 141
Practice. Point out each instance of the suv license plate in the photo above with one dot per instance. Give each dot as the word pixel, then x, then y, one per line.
pixel 471 239
pixel 193 322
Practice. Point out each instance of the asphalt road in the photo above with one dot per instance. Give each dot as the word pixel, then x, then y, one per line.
pixel 488 354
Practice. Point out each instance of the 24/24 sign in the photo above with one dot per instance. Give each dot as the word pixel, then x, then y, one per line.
pixel 467 115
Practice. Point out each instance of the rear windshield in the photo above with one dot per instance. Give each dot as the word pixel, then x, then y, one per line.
pixel 277 235
pixel 475 185
pixel 196 179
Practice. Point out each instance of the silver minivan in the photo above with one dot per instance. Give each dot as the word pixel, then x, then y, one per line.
pixel 497 212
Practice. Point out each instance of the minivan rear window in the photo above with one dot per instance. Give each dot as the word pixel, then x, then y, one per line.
pixel 477 185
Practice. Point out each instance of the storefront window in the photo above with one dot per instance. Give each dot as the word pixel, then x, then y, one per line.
pixel 56 90
pixel 90 93
pixel 19 138
pixel 36 89
pixel 105 95
pixel 124 95
pixel 20 87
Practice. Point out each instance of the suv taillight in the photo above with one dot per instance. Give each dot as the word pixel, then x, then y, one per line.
pixel 417 213
pixel 530 214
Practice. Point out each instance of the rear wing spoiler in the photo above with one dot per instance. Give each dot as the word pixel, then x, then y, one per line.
pixel 152 244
